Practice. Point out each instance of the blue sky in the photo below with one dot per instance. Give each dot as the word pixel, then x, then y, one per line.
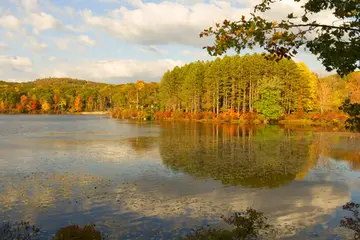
pixel 113 40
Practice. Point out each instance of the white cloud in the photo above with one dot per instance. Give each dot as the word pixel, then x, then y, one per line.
pixel 153 50
pixel 195 54
pixel 30 5
pixel 35 44
pixel 62 43
pixel 114 70
pixel 10 35
pixel 9 21
pixel 69 10
pixel 42 21
pixel 32 13
pixel 15 63
pixel 66 43
pixel 163 23
pixel 52 59
pixel 86 40
pixel 181 21
pixel 3 46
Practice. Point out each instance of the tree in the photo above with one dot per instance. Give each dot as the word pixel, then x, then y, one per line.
pixel 78 105
pixel 2 106
pixel 337 46
pixel 23 102
pixel 324 96
pixel 90 104
pixel 269 103
pixel 45 106
pixel 353 123
pixel 139 86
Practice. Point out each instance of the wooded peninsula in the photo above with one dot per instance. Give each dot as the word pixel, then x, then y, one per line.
pixel 244 89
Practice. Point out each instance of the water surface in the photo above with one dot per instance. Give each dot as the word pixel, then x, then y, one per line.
pixel 157 181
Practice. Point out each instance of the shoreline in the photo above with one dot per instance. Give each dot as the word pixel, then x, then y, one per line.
pixel 92 113
pixel 63 113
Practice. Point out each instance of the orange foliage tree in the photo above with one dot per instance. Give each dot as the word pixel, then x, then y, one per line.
pixel 78 106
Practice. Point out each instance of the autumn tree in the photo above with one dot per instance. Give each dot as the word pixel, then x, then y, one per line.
pixel 78 105
pixel 284 38
pixel 90 104
pixel 139 87
pixel 23 102
pixel 336 44
pixel 2 106
pixel 324 96
pixel 45 106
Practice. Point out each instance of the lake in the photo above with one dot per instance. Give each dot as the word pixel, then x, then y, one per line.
pixel 160 180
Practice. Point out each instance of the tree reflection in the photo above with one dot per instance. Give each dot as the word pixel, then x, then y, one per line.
pixel 141 144
pixel 75 232
pixel 238 155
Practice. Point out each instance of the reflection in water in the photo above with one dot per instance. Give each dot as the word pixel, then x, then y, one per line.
pixel 121 176
pixel 75 232
pixel 249 224
pixel 265 157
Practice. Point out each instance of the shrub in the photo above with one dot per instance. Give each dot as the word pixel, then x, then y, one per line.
pixel 178 114
pixel 257 121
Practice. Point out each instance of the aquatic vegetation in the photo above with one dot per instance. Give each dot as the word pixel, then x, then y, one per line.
pixel 18 231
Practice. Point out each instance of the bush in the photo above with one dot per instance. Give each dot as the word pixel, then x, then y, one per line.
pixel 178 114
pixel 257 121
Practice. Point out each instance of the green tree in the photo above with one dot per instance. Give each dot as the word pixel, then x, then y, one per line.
pixel 269 103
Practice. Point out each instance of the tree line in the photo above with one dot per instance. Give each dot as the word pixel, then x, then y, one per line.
pixel 232 84
pixel 63 95
pixel 251 83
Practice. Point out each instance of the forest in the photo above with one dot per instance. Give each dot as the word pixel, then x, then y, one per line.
pixel 232 88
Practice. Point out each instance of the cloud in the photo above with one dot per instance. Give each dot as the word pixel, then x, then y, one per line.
pixel 62 43
pixel 179 21
pixel 15 63
pixel 10 35
pixel 114 70
pixel 3 46
pixel 9 21
pixel 86 40
pixel 195 54
pixel 163 23
pixel 35 44
pixel 66 43
pixel 52 59
pixel 69 10
pixel 152 49
pixel 30 5
pixel 43 21
pixel 32 13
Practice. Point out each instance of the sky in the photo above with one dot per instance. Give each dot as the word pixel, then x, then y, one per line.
pixel 116 41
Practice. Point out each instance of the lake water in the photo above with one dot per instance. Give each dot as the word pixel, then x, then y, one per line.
pixel 157 181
